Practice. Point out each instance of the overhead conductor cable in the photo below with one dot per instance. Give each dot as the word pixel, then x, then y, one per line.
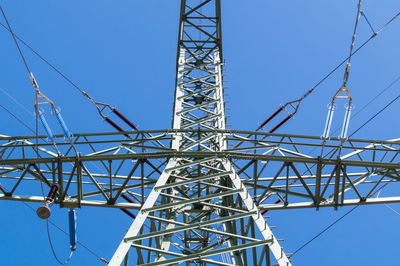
pixel 292 107
pixel 102 108
pixel 40 99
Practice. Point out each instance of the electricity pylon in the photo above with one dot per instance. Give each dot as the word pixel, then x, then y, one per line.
pixel 198 208
pixel 199 192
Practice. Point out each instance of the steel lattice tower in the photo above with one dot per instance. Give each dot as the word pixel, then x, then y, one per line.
pixel 199 205
pixel 199 192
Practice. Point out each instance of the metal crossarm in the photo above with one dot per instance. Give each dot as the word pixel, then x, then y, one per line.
pixel 278 171
pixel 198 192
pixel 271 166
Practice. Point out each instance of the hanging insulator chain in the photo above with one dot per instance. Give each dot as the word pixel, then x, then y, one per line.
pixel 343 92
pixel 73 238
pixel 61 121
pixel 352 52
pixel 45 125
pixel 39 95
pixel 290 107
pixel 346 121
pixel 103 107
pixel 266 121
pixel 42 99
pixel 328 122
pixel 281 123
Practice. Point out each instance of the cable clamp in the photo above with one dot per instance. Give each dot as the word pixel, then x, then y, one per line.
pixel 34 83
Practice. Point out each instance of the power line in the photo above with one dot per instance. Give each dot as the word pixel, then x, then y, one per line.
pixel 81 90
pixel 16 101
pixel 333 224
pixel 324 230
pixel 49 221
pixel 47 62
pixel 376 114
pixel 374 34
pixel 351 210
pixel 66 233
pixel 91 251
pixel 101 107
pixel 354 132
pixel 17 118
pixel 295 104
pixel 15 40
pixel 332 72
pixel 35 132
pixel 396 80
pixel 343 92
pixel 393 210
pixel 53 249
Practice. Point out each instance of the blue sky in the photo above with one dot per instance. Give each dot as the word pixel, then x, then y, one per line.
pixel 124 53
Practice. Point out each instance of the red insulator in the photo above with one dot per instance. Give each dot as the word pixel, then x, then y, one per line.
pixel 127 212
pixel 125 119
pixel 266 121
pixel 52 193
pixel 125 197
pixel 114 125
pixel 281 123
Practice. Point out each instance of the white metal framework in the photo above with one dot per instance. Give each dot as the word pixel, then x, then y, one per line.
pixel 198 192
pixel 197 210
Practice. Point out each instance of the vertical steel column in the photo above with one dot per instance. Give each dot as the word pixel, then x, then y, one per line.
pixel 193 213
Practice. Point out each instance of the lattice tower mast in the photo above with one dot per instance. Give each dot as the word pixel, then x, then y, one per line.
pixel 199 203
